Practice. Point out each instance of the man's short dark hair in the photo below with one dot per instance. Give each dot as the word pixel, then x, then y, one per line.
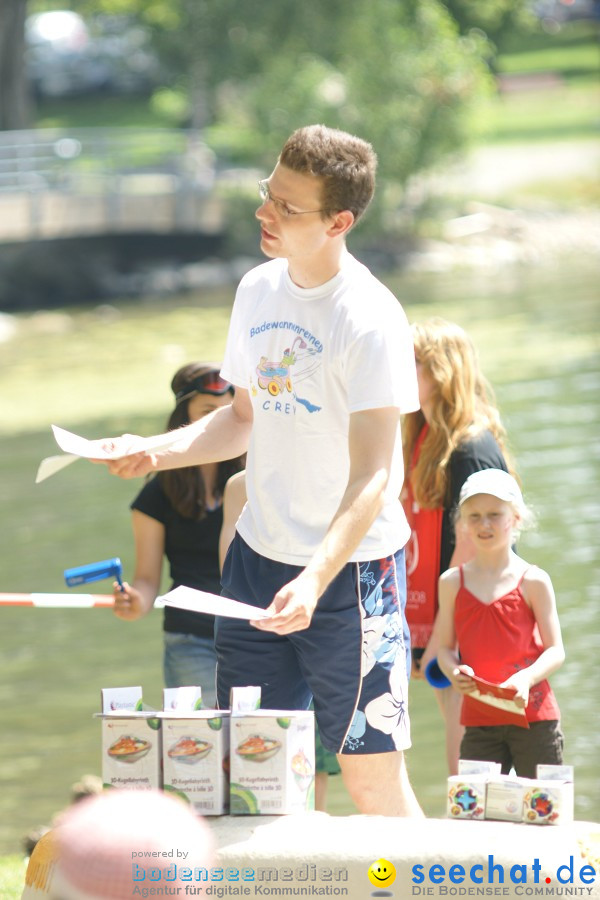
pixel 345 164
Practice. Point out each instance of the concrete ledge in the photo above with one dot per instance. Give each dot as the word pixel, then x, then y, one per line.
pixel 321 855
pixel 301 849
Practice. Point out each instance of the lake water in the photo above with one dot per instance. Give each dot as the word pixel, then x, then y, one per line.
pixel 537 331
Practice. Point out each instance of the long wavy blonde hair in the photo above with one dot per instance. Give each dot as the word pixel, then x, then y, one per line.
pixel 463 405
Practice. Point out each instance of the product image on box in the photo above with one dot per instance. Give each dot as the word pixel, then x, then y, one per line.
pixel 466 796
pixel 189 750
pixel 504 798
pixel 129 749
pixel 539 805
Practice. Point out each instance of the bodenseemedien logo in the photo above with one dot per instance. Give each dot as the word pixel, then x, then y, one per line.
pixel 228 881
pixel 525 879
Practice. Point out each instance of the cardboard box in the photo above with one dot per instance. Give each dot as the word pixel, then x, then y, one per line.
pixel 504 797
pixel 184 699
pixel 466 796
pixel 548 802
pixel 196 752
pixel 478 767
pixel 272 759
pixel 131 741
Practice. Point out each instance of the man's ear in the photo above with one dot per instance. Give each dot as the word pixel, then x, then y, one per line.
pixel 341 223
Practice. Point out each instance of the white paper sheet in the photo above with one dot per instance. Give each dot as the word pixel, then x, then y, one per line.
pixel 104 448
pixel 52 464
pixel 204 602
pixel 76 447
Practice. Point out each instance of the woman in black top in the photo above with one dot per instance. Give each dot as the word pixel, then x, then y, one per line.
pixel 179 514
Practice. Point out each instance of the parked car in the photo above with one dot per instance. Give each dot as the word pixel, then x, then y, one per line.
pixel 557 12
pixel 67 56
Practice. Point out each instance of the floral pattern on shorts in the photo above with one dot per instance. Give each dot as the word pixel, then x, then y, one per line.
pixel 381 722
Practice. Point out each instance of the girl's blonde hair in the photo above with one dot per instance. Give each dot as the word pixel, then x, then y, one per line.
pixel 463 405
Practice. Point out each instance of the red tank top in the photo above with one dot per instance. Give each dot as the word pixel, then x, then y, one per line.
pixel 498 639
pixel 423 554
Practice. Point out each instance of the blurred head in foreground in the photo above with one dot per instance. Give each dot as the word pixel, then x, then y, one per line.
pixel 103 842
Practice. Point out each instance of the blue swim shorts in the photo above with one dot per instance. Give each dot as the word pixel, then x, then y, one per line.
pixel 353 659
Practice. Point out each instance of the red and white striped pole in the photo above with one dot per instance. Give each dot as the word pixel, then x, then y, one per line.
pixel 49 601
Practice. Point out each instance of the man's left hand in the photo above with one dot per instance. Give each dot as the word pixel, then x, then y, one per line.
pixel 292 608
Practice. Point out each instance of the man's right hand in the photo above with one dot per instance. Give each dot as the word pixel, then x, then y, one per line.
pixel 134 466
pixel 127 465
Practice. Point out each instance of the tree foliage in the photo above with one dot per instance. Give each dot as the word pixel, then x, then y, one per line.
pixel 496 18
pixel 398 73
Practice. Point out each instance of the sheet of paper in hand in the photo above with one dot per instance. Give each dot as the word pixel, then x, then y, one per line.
pixel 76 447
pixel 205 602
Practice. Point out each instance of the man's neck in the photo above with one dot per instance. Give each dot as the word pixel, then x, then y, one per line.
pixel 317 270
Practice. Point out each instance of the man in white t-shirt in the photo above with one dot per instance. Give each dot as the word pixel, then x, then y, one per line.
pixel 321 357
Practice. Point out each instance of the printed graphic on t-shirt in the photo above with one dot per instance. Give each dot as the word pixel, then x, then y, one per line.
pixel 279 377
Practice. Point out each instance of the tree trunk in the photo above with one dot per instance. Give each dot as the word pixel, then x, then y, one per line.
pixel 15 108
pixel 197 21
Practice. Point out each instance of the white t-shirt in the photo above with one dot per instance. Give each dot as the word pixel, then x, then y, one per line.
pixel 310 357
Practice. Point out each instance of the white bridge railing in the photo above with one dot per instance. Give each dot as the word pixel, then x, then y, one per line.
pixel 91 181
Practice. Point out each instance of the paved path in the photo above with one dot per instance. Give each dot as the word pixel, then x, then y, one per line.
pixel 490 171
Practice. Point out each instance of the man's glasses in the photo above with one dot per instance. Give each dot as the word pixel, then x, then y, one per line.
pixel 209 383
pixel 280 205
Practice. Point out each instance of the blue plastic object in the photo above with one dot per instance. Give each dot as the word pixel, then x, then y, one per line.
pixel 106 568
pixel 435 676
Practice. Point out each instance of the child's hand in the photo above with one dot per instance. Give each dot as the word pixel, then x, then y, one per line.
pixel 519 681
pixel 462 679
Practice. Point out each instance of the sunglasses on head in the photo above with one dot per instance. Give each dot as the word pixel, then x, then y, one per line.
pixel 209 383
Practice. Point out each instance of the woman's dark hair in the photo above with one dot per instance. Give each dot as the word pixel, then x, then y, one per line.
pixel 184 488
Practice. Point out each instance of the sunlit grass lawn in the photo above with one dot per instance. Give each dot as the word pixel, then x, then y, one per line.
pixel 561 112
pixel 12 874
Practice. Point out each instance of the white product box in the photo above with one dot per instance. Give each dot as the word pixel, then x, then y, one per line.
pixel 196 751
pixel 466 796
pixel 555 773
pixel 131 741
pixel 196 759
pixel 182 698
pixel 504 797
pixel 548 802
pixel 478 767
pixel 272 762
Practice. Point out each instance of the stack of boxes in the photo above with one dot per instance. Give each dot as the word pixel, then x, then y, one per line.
pixel 189 751
pixel 480 791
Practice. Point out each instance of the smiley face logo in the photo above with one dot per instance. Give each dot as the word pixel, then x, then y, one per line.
pixel 381 873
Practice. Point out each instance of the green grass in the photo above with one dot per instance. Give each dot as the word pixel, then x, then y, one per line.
pixel 100 112
pixel 567 107
pixel 572 62
pixel 545 114
pixel 12 876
